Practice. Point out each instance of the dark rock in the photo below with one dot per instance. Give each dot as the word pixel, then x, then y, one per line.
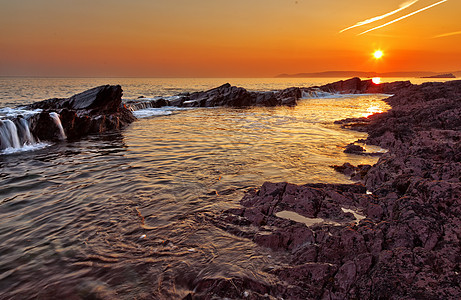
pixel 357 86
pixel 349 86
pixel 225 95
pixel 354 149
pixel 104 98
pixel 408 246
pixel 157 103
pixel 356 173
pixel 94 111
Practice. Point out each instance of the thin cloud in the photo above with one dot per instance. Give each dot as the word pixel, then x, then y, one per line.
pixel 368 21
pixel 404 17
pixel 447 34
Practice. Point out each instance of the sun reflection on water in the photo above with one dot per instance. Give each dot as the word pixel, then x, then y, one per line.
pixel 373 109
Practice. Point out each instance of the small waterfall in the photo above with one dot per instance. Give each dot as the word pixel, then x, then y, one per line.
pixel 25 134
pixel 9 134
pixel 57 121
pixel 15 136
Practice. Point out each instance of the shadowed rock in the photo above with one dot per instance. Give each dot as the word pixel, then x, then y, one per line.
pixel 357 86
pixel 225 95
pixel 93 111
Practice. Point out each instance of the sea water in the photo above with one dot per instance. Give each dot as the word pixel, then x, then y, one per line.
pixel 126 214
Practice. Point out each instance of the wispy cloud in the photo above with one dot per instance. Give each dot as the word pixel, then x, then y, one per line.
pixel 447 34
pixel 404 17
pixel 371 20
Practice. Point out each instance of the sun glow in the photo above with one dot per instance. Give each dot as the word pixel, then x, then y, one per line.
pixel 378 54
pixel 373 109
pixel 376 80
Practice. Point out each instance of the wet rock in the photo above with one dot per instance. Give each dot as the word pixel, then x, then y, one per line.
pixel 94 111
pixel 357 86
pixel 156 103
pixel 355 173
pixel 357 124
pixel 408 246
pixel 225 95
pixel 349 86
pixel 354 149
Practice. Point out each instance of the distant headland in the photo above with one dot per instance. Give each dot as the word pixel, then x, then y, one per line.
pixel 347 74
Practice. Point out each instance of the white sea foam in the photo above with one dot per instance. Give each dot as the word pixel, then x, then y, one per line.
pixel 318 94
pixel 24 148
pixel 162 111
pixel 14 112
pixel 158 98
pixel 16 137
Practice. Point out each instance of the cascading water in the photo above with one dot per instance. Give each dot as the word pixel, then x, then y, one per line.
pixel 15 136
pixel 57 121
pixel 9 135
pixel 25 134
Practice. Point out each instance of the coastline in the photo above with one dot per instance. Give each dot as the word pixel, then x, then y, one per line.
pixel 407 244
pixel 329 241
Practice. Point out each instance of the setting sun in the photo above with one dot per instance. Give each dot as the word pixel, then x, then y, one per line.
pixel 378 54
pixel 376 80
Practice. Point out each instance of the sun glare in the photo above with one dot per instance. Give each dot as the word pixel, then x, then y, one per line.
pixel 376 80
pixel 378 54
pixel 373 109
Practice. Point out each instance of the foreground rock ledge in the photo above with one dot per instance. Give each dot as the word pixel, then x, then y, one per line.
pixel 401 242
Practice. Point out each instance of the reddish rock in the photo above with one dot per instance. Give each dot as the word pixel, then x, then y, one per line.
pixel 408 246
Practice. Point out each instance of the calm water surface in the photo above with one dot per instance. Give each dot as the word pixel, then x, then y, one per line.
pixel 124 214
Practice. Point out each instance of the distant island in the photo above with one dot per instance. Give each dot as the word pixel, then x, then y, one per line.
pixel 448 75
pixel 348 74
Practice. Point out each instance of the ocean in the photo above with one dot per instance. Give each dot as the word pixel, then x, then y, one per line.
pixel 127 214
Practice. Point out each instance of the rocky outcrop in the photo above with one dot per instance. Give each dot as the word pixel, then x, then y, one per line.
pixel 94 111
pixel 225 95
pixel 403 241
pixel 232 96
pixel 357 86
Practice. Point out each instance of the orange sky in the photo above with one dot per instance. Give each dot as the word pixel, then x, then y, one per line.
pixel 207 38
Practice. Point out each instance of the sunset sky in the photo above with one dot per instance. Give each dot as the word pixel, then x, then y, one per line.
pixel 217 38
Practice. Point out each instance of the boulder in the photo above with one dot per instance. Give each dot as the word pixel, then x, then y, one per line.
pixel 94 111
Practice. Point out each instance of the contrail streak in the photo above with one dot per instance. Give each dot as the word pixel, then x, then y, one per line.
pixel 404 17
pixel 368 21
pixel 447 34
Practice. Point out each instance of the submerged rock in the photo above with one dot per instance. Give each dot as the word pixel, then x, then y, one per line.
pixel 354 149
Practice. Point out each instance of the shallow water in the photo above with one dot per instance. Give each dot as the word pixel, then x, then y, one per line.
pixel 124 215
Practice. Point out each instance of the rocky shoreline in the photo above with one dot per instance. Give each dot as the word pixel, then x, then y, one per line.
pixel 101 109
pixel 395 234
